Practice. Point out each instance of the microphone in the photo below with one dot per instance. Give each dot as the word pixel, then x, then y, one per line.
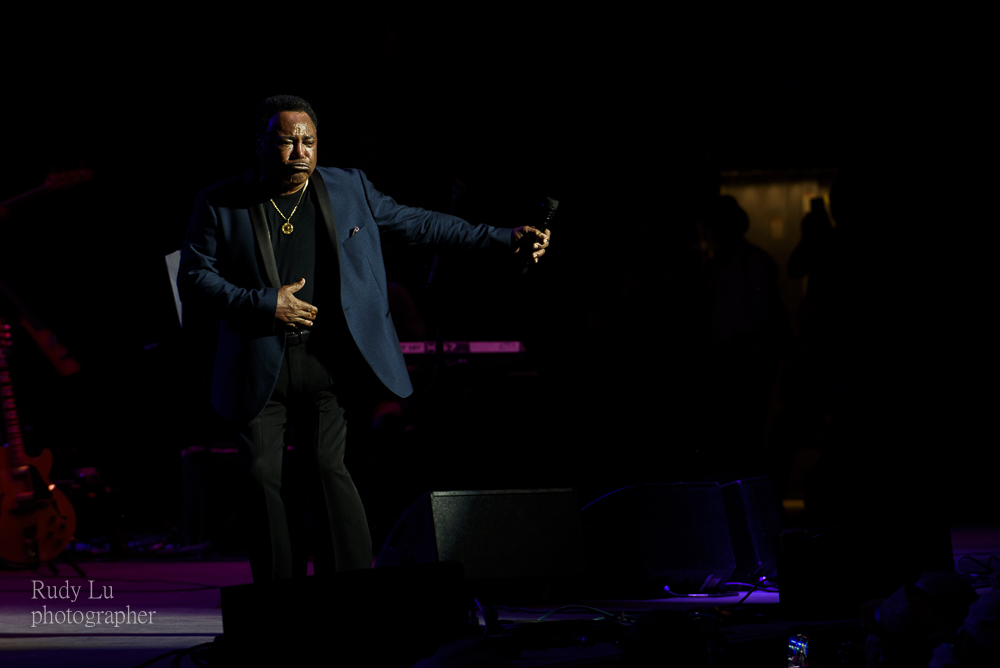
pixel 549 207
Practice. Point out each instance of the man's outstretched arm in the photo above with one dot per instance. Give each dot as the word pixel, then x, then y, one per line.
pixel 438 230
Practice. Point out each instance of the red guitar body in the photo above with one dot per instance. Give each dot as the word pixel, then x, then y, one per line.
pixel 37 521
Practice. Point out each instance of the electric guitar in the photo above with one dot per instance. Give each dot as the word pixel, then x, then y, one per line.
pixel 37 521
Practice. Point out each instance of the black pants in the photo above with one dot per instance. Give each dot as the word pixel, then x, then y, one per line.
pixel 305 405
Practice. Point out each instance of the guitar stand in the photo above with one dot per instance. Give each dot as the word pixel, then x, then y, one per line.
pixel 13 566
pixel 53 565
pixel 67 559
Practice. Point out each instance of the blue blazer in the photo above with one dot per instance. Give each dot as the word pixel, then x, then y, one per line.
pixel 228 266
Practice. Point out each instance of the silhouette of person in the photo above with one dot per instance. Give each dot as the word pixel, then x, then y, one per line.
pixel 747 333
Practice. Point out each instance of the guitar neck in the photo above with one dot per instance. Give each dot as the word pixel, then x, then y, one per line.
pixel 12 425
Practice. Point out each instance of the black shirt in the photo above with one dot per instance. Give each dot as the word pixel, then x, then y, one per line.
pixel 306 252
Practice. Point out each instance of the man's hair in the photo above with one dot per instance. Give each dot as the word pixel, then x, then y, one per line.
pixel 276 104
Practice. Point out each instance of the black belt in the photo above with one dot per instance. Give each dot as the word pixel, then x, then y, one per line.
pixel 295 337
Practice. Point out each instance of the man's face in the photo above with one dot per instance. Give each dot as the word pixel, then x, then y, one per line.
pixel 288 151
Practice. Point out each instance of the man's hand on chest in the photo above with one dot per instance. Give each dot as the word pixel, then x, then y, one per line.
pixel 292 310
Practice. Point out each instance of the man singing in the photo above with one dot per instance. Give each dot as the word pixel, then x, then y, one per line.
pixel 288 256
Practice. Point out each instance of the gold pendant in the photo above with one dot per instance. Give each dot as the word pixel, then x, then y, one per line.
pixel 287 228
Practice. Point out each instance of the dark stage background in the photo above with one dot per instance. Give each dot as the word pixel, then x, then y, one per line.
pixel 629 130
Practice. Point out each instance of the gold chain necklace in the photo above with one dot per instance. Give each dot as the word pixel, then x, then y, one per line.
pixel 287 227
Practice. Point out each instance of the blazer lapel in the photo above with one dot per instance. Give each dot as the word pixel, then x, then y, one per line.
pixel 264 244
pixel 326 209
pixel 261 233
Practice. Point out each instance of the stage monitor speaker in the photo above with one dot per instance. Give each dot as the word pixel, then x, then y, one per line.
pixel 644 538
pixel 383 617
pixel 827 573
pixel 754 527
pixel 521 542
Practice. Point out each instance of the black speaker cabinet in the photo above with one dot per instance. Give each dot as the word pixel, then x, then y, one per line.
pixel 383 617
pixel 521 541
pixel 643 538
pixel 754 527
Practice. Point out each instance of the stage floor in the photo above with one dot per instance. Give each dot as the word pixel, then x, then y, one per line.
pixel 140 610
